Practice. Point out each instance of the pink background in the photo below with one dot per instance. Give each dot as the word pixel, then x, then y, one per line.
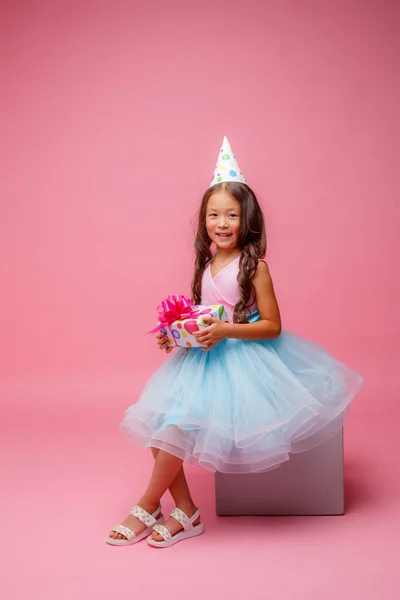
pixel 112 116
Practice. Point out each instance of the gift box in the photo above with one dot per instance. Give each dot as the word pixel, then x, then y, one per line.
pixel 178 320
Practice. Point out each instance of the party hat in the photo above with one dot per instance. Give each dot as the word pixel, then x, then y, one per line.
pixel 227 168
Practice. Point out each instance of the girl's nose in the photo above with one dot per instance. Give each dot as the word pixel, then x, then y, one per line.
pixel 222 222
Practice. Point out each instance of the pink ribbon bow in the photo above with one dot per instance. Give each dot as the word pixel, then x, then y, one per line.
pixel 175 307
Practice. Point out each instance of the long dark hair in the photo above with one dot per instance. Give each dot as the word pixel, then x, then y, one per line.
pixel 251 241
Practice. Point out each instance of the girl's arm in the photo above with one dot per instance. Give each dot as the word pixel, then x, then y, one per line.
pixel 269 327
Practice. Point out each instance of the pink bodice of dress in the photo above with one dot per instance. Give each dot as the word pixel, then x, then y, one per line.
pixel 223 288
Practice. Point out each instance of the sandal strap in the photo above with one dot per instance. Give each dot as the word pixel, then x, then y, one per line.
pixel 143 516
pixel 183 519
pixel 128 533
pixel 163 531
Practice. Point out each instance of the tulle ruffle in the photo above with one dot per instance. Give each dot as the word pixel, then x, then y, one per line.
pixel 243 406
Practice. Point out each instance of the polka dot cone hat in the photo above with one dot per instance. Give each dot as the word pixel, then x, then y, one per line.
pixel 227 168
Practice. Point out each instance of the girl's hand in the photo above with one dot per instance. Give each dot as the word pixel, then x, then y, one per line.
pixel 211 335
pixel 162 342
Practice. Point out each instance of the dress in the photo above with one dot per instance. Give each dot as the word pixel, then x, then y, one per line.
pixel 242 406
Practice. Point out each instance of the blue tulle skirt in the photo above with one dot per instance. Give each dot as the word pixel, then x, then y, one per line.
pixel 243 406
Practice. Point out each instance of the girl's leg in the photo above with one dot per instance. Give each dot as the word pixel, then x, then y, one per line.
pixel 179 488
pixel 171 476
pixel 180 492
pixel 166 469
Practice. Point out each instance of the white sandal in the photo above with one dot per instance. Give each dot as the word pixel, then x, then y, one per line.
pixel 189 530
pixel 131 537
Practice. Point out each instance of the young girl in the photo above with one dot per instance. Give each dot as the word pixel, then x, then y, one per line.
pixel 252 395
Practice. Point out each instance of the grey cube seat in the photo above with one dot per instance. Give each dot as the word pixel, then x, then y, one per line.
pixel 309 483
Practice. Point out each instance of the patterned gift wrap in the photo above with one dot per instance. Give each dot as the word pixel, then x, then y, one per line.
pixel 180 332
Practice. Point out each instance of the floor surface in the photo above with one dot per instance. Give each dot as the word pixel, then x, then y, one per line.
pixel 68 476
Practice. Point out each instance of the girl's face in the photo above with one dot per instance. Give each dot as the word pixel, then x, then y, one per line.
pixel 223 219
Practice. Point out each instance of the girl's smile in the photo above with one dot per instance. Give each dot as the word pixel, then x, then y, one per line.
pixel 223 219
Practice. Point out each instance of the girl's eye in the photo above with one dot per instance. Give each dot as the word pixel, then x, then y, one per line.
pixel 233 215
pixel 212 215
